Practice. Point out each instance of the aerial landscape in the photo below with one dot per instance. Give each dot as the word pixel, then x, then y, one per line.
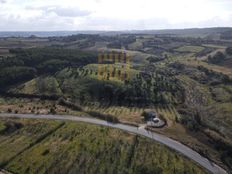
pixel 108 100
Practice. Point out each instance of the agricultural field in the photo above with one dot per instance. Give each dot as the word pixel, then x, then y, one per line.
pixel 70 147
pixel 41 85
pixel 123 113
pixel 134 114
pixel 17 136
pixel 186 81
pixel 35 106
pixel 137 45
pixel 191 49
pixel 219 69
pixel 4 52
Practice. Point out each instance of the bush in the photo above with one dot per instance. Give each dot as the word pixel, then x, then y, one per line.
pixel 145 115
pixel 11 127
pixel 229 50
pixel 52 111
pixel 70 105
pixel 217 58
pixel 45 152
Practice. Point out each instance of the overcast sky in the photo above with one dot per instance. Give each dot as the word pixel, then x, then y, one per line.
pixel 51 15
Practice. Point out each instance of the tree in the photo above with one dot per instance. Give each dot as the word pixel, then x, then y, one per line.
pixel 217 58
pixel 229 50
pixel 52 111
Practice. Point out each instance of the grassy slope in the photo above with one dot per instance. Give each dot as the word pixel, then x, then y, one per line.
pixel 74 79
pixel 42 85
pixel 14 142
pixel 216 68
pixel 214 104
pixel 133 114
pixel 192 49
pixel 215 99
pixel 83 148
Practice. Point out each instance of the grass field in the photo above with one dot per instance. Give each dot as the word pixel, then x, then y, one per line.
pixel 4 51
pixel 134 114
pixel 77 147
pixel 192 49
pixel 19 135
pixel 136 45
pixel 123 113
pixel 214 46
pixel 34 106
pixel 216 68
pixel 41 85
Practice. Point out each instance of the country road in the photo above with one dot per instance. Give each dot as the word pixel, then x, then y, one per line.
pixel 186 151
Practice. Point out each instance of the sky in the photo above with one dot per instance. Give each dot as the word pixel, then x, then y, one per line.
pixel 62 15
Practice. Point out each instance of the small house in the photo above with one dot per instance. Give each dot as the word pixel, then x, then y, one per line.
pixel 151 115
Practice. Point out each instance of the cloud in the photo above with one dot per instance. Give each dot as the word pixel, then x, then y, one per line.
pixel 107 23
pixel 2 1
pixel 69 12
pixel 113 15
pixel 40 22
pixel 62 11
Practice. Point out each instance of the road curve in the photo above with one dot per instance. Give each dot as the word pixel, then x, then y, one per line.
pixel 186 151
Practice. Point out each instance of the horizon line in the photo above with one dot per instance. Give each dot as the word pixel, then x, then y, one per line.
pixel 116 30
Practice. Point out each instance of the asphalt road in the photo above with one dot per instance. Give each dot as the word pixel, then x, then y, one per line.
pixel 186 151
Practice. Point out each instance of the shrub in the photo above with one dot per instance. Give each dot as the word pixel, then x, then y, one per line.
pixel 45 152
pixel 217 58
pixel 11 126
pixel 229 50
pixel 62 102
pixel 52 111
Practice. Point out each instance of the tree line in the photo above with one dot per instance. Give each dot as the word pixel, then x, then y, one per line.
pixel 29 63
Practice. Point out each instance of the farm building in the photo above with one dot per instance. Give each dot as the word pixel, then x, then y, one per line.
pixel 149 116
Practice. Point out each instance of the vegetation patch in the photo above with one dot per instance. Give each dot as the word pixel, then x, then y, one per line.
pixel 79 147
pixel 190 49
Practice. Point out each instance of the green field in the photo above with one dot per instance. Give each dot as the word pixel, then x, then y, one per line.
pixel 42 86
pixel 192 49
pixel 133 114
pixel 57 147
pixel 16 136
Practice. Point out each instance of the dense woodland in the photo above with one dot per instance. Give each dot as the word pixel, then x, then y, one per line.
pixel 30 63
